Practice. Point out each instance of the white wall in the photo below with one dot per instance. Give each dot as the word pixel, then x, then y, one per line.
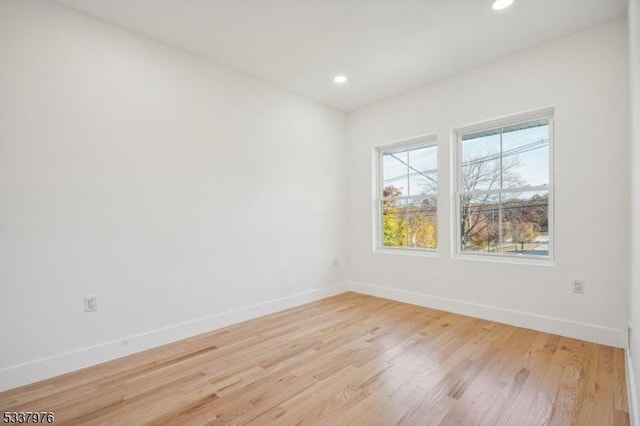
pixel 634 36
pixel 169 187
pixel 585 78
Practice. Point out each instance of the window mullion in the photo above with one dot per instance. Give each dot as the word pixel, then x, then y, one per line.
pixel 500 236
pixel 406 203
pixel 481 192
pixel 505 190
pixel 413 197
pixel 408 173
pixel 500 194
pixel 501 161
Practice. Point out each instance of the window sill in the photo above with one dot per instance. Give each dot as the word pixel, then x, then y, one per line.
pixel 514 260
pixel 406 251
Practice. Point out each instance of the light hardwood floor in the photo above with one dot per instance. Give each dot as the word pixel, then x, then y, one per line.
pixel 347 360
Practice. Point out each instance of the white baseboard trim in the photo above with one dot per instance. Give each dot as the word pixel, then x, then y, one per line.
pixel 631 391
pixel 578 330
pixel 30 372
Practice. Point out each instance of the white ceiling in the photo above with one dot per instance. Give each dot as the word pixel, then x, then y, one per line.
pixel 385 47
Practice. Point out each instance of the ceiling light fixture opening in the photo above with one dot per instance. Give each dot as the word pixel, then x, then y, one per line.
pixel 501 4
pixel 340 79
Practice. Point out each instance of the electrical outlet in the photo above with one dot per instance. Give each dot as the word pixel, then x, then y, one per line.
pixel 577 286
pixel 90 303
pixel 335 262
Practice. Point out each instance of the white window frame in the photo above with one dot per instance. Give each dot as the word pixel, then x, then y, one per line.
pixel 423 141
pixel 457 134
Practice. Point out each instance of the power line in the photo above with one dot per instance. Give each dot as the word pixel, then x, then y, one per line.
pixel 414 169
pixel 530 146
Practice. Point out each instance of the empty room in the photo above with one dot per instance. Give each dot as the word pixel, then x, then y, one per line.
pixel 320 212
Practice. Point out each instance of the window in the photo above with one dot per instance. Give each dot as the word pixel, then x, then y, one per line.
pixel 504 189
pixel 407 195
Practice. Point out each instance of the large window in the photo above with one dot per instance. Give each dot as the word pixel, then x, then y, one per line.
pixel 504 189
pixel 407 195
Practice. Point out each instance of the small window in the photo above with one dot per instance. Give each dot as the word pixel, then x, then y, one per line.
pixel 504 188
pixel 407 195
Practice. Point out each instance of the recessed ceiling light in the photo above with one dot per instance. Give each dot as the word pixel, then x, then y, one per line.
pixel 501 4
pixel 340 79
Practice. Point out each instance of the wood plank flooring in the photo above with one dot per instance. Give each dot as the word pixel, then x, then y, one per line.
pixel 347 360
